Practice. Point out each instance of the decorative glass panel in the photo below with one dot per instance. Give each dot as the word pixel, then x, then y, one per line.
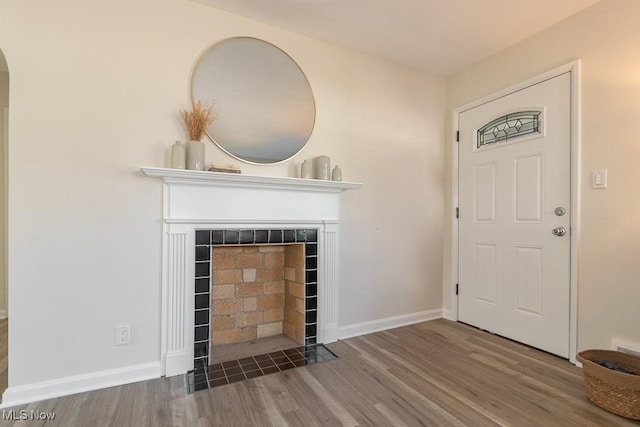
pixel 508 127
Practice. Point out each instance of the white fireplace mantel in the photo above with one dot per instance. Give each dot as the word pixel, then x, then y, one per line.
pixel 208 200
pixel 252 181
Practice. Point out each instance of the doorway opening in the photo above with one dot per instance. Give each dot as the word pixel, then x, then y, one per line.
pixel 4 135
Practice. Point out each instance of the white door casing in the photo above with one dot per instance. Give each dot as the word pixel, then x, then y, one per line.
pixel 5 208
pixel 514 274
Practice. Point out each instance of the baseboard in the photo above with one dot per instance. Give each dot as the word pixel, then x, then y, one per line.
pixel 330 333
pixel 3 314
pixel 448 314
pixel 79 383
pixel 176 363
pixel 378 325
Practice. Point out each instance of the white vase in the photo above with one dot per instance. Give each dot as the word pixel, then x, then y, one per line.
pixel 195 155
pixel 305 170
pixel 177 156
pixel 336 175
pixel 323 168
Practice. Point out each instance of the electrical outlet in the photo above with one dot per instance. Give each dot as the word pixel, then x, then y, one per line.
pixel 123 334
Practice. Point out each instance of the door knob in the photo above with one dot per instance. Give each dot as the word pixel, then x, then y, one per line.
pixel 559 231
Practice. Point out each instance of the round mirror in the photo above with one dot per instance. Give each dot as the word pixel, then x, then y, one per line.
pixel 264 106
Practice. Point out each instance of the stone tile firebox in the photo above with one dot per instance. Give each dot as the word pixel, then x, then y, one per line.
pixel 270 241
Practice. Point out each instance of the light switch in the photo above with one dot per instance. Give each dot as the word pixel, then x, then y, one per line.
pixel 599 179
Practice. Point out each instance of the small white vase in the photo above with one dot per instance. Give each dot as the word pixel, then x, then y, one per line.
pixel 336 175
pixel 177 156
pixel 195 155
pixel 305 170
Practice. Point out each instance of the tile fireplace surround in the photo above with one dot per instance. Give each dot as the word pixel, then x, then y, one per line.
pixel 194 200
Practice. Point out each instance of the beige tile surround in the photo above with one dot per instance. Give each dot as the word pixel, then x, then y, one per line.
pixel 257 292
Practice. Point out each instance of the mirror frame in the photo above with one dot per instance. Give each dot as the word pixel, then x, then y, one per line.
pixel 293 62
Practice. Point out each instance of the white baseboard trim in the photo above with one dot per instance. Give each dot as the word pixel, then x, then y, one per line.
pixel 448 314
pixel 378 325
pixel 3 314
pixel 330 333
pixel 79 383
pixel 176 363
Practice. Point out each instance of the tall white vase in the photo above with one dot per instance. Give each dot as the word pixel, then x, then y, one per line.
pixel 177 156
pixel 195 155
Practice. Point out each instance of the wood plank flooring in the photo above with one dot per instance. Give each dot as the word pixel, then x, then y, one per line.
pixel 437 373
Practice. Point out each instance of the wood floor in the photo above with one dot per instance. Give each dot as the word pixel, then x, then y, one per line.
pixel 436 373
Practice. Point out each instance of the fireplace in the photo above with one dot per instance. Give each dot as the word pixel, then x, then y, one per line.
pixel 205 205
pixel 237 302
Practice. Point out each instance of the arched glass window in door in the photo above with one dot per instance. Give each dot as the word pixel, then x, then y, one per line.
pixel 508 127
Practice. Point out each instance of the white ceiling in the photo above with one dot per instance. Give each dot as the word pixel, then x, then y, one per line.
pixel 438 36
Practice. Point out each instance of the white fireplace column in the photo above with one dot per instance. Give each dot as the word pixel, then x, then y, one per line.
pixel 195 200
pixel 177 299
pixel 328 268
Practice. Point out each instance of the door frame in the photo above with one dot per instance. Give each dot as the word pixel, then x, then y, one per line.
pixel 573 68
pixel 5 207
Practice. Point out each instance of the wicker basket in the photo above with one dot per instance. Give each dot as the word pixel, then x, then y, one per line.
pixel 617 392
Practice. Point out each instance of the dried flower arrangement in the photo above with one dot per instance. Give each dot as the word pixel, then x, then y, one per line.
pixel 198 119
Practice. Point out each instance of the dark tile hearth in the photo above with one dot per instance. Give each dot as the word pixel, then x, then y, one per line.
pixel 209 376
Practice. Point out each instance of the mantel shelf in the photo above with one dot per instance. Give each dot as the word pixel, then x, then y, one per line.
pixel 221 179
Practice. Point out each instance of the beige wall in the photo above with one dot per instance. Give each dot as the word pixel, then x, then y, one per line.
pixel 95 93
pixel 4 102
pixel 606 38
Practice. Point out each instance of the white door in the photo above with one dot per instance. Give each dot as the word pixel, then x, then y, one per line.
pixel 514 191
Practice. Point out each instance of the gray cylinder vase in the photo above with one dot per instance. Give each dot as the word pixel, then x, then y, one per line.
pixel 323 168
